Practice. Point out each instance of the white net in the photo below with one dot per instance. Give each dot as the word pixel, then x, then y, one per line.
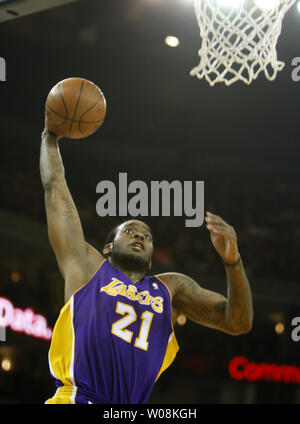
pixel 239 39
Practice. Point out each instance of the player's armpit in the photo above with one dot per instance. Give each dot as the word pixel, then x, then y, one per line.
pixel 79 273
pixel 199 305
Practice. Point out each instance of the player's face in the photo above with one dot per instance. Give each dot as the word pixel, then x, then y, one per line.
pixel 133 244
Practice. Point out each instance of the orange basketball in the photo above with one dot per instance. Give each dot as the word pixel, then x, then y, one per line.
pixel 75 108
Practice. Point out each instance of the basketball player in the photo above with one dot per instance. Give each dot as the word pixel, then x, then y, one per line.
pixel 115 334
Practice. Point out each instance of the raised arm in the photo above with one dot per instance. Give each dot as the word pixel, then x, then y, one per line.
pixel 232 315
pixel 77 260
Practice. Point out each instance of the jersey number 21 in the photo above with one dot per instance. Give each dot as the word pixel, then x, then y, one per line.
pixel 119 327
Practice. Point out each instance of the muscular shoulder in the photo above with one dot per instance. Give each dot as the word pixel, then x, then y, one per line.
pixel 81 271
pixel 88 262
pixel 93 255
pixel 176 282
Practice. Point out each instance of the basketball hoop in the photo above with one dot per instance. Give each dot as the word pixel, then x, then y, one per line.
pixel 239 39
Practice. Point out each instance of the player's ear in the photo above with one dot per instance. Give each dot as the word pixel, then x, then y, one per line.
pixel 107 250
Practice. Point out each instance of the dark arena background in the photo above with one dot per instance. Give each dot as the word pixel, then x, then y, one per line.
pixel 161 124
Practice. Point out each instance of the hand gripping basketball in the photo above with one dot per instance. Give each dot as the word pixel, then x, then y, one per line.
pixel 75 108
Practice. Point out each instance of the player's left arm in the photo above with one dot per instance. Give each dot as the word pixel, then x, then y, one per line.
pixel 233 314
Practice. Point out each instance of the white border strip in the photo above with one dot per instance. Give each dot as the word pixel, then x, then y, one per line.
pixel 71 369
pixel 50 366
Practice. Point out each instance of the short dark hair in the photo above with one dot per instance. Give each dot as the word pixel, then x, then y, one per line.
pixel 112 234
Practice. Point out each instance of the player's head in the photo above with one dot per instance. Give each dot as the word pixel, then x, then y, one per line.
pixel 130 244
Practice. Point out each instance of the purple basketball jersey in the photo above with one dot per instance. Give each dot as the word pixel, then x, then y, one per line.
pixel 113 339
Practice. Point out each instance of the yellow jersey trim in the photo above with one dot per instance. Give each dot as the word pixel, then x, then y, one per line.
pixel 171 298
pixel 62 396
pixel 173 346
pixel 170 354
pixel 62 363
pixel 63 335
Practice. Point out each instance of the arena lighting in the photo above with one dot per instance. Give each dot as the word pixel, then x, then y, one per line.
pixel 267 4
pixel 15 277
pixel 23 321
pixel 181 319
pixel 6 364
pixel 172 41
pixel 279 328
pixel 298 6
pixel 240 368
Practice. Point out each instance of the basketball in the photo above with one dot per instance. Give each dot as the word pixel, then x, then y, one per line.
pixel 75 108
